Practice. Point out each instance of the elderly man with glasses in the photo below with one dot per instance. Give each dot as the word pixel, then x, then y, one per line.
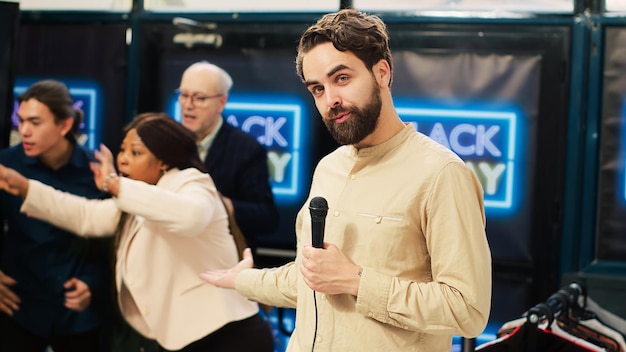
pixel 235 160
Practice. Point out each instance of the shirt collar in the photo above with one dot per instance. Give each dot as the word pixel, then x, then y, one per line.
pixel 205 143
pixel 385 146
pixel 80 157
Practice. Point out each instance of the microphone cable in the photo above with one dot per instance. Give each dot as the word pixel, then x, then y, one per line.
pixel 314 331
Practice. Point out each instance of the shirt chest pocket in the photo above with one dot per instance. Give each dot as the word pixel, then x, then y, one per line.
pixel 379 219
pixel 371 239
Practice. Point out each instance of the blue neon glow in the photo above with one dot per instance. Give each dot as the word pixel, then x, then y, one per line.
pixel 85 95
pixel 622 156
pixel 486 139
pixel 276 121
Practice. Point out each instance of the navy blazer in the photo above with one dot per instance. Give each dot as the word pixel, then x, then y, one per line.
pixel 238 165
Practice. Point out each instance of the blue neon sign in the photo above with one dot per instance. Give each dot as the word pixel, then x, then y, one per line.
pixel 276 121
pixel 85 95
pixel 486 139
pixel 622 156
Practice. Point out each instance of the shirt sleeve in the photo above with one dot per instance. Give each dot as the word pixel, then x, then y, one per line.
pixel 79 215
pixel 275 287
pixel 185 211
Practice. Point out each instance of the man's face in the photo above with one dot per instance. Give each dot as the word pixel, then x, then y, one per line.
pixel 39 132
pixel 200 102
pixel 345 91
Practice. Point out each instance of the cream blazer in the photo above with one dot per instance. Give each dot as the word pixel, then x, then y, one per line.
pixel 176 230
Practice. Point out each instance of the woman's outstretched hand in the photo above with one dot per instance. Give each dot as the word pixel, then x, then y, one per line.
pixel 13 182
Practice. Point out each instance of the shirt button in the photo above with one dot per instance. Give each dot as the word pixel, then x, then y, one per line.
pixel 336 213
pixel 353 177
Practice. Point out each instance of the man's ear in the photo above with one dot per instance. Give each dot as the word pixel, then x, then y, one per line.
pixel 382 72
pixel 223 100
pixel 66 126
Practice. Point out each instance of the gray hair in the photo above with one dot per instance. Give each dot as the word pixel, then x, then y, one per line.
pixel 225 82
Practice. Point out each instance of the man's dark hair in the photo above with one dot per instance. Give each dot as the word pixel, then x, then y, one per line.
pixel 57 98
pixel 348 30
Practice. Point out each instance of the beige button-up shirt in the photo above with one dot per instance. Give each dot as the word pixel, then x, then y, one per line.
pixel 411 214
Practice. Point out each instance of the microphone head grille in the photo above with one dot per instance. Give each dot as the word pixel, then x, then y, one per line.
pixel 318 208
pixel 318 203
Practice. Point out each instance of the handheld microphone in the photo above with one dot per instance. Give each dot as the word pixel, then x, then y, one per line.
pixel 318 208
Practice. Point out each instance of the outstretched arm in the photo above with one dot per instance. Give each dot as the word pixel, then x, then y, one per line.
pixel 226 278
pixel 16 184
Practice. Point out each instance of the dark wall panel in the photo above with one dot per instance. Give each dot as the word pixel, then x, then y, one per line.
pixel 92 54
pixel 9 14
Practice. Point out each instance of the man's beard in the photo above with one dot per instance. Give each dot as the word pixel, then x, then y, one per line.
pixel 362 122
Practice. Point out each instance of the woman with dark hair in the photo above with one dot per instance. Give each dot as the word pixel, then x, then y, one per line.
pixel 169 141
pixel 170 225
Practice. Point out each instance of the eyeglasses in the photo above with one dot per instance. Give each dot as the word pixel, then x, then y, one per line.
pixel 198 100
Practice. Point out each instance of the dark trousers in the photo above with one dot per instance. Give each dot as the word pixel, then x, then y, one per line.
pixel 14 338
pixel 251 334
